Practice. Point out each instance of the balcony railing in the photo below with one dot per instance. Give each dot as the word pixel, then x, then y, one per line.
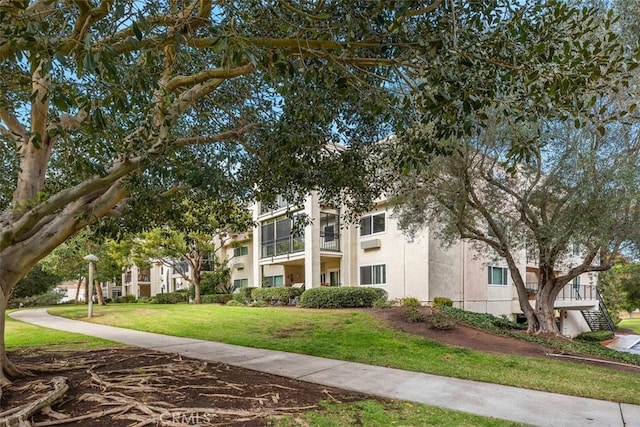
pixel 571 292
pixel 282 246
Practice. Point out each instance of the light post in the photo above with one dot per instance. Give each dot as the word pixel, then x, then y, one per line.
pixel 91 258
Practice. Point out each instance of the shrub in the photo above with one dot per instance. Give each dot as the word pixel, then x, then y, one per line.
pixel 483 320
pixel 172 298
pixel 382 303
pixel 235 303
pixel 243 295
pixel 258 304
pixel 143 300
pixel 411 302
pixel 442 302
pixel 126 299
pixel 595 336
pixel 440 321
pixel 275 295
pixel 412 314
pixel 216 298
pixel 340 297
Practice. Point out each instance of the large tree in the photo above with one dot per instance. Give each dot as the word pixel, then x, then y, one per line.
pixel 96 98
pixel 194 236
pixel 580 188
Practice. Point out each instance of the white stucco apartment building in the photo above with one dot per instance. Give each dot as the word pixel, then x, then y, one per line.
pixel 372 253
pixel 375 253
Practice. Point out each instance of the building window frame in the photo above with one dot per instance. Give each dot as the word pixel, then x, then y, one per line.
pixel 497 275
pixel 241 251
pixel 275 281
pixel 372 275
pixel 241 283
pixel 374 223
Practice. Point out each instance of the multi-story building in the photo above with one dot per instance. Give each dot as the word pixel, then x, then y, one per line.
pixel 283 250
pixel 156 278
pixel 376 253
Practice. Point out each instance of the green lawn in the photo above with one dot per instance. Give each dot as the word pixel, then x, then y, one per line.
pixel 22 336
pixel 376 414
pixel 356 335
pixel 632 324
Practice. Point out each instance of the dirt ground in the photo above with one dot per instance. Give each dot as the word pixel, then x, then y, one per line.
pixel 136 387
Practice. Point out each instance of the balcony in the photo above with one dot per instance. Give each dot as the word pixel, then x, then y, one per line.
pixel 282 246
pixel 573 295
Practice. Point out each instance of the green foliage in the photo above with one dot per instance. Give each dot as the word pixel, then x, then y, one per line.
pixel 36 282
pixel 51 297
pixel 413 314
pixel 382 303
pixel 340 297
pixel 145 300
pixel 257 304
pixel 125 299
pixel 410 302
pixel 215 282
pixel 595 336
pixel 440 321
pixel 235 303
pixel 275 295
pixel 483 320
pixel 172 298
pixel 216 298
pixel 243 295
pixel 442 301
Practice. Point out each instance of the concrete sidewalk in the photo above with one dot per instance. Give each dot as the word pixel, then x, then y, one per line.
pixel 492 400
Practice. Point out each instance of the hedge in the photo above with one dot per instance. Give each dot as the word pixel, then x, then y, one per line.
pixel 341 297
pixel 275 295
pixel 172 298
pixel 216 298
pixel 125 299
pixel 595 336
pixel 243 295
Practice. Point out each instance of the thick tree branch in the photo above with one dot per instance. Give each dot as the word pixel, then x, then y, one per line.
pixel 216 73
pixel 13 124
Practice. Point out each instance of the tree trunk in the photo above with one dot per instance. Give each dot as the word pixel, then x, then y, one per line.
pixel 78 290
pixel 546 316
pixel 99 292
pixel 7 368
pixel 196 290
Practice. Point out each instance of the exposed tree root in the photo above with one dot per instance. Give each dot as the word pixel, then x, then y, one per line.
pixel 12 371
pixel 19 416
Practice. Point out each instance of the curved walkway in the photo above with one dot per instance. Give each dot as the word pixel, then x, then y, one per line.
pixel 491 400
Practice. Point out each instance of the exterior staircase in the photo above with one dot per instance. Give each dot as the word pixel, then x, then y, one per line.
pixel 598 320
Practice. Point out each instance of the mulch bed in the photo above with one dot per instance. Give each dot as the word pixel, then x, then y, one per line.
pixel 136 387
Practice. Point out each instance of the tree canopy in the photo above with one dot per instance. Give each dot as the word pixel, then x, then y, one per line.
pixel 103 104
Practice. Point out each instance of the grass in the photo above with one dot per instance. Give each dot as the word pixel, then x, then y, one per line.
pixel 24 336
pixel 631 324
pixel 373 413
pixel 356 335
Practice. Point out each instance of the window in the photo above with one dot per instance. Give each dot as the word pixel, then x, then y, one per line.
pixel 277 237
pixel 372 224
pixel 576 249
pixel 498 275
pixel 273 281
pixel 576 282
pixel 241 251
pixel 241 283
pixel 329 231
pixel 373 274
